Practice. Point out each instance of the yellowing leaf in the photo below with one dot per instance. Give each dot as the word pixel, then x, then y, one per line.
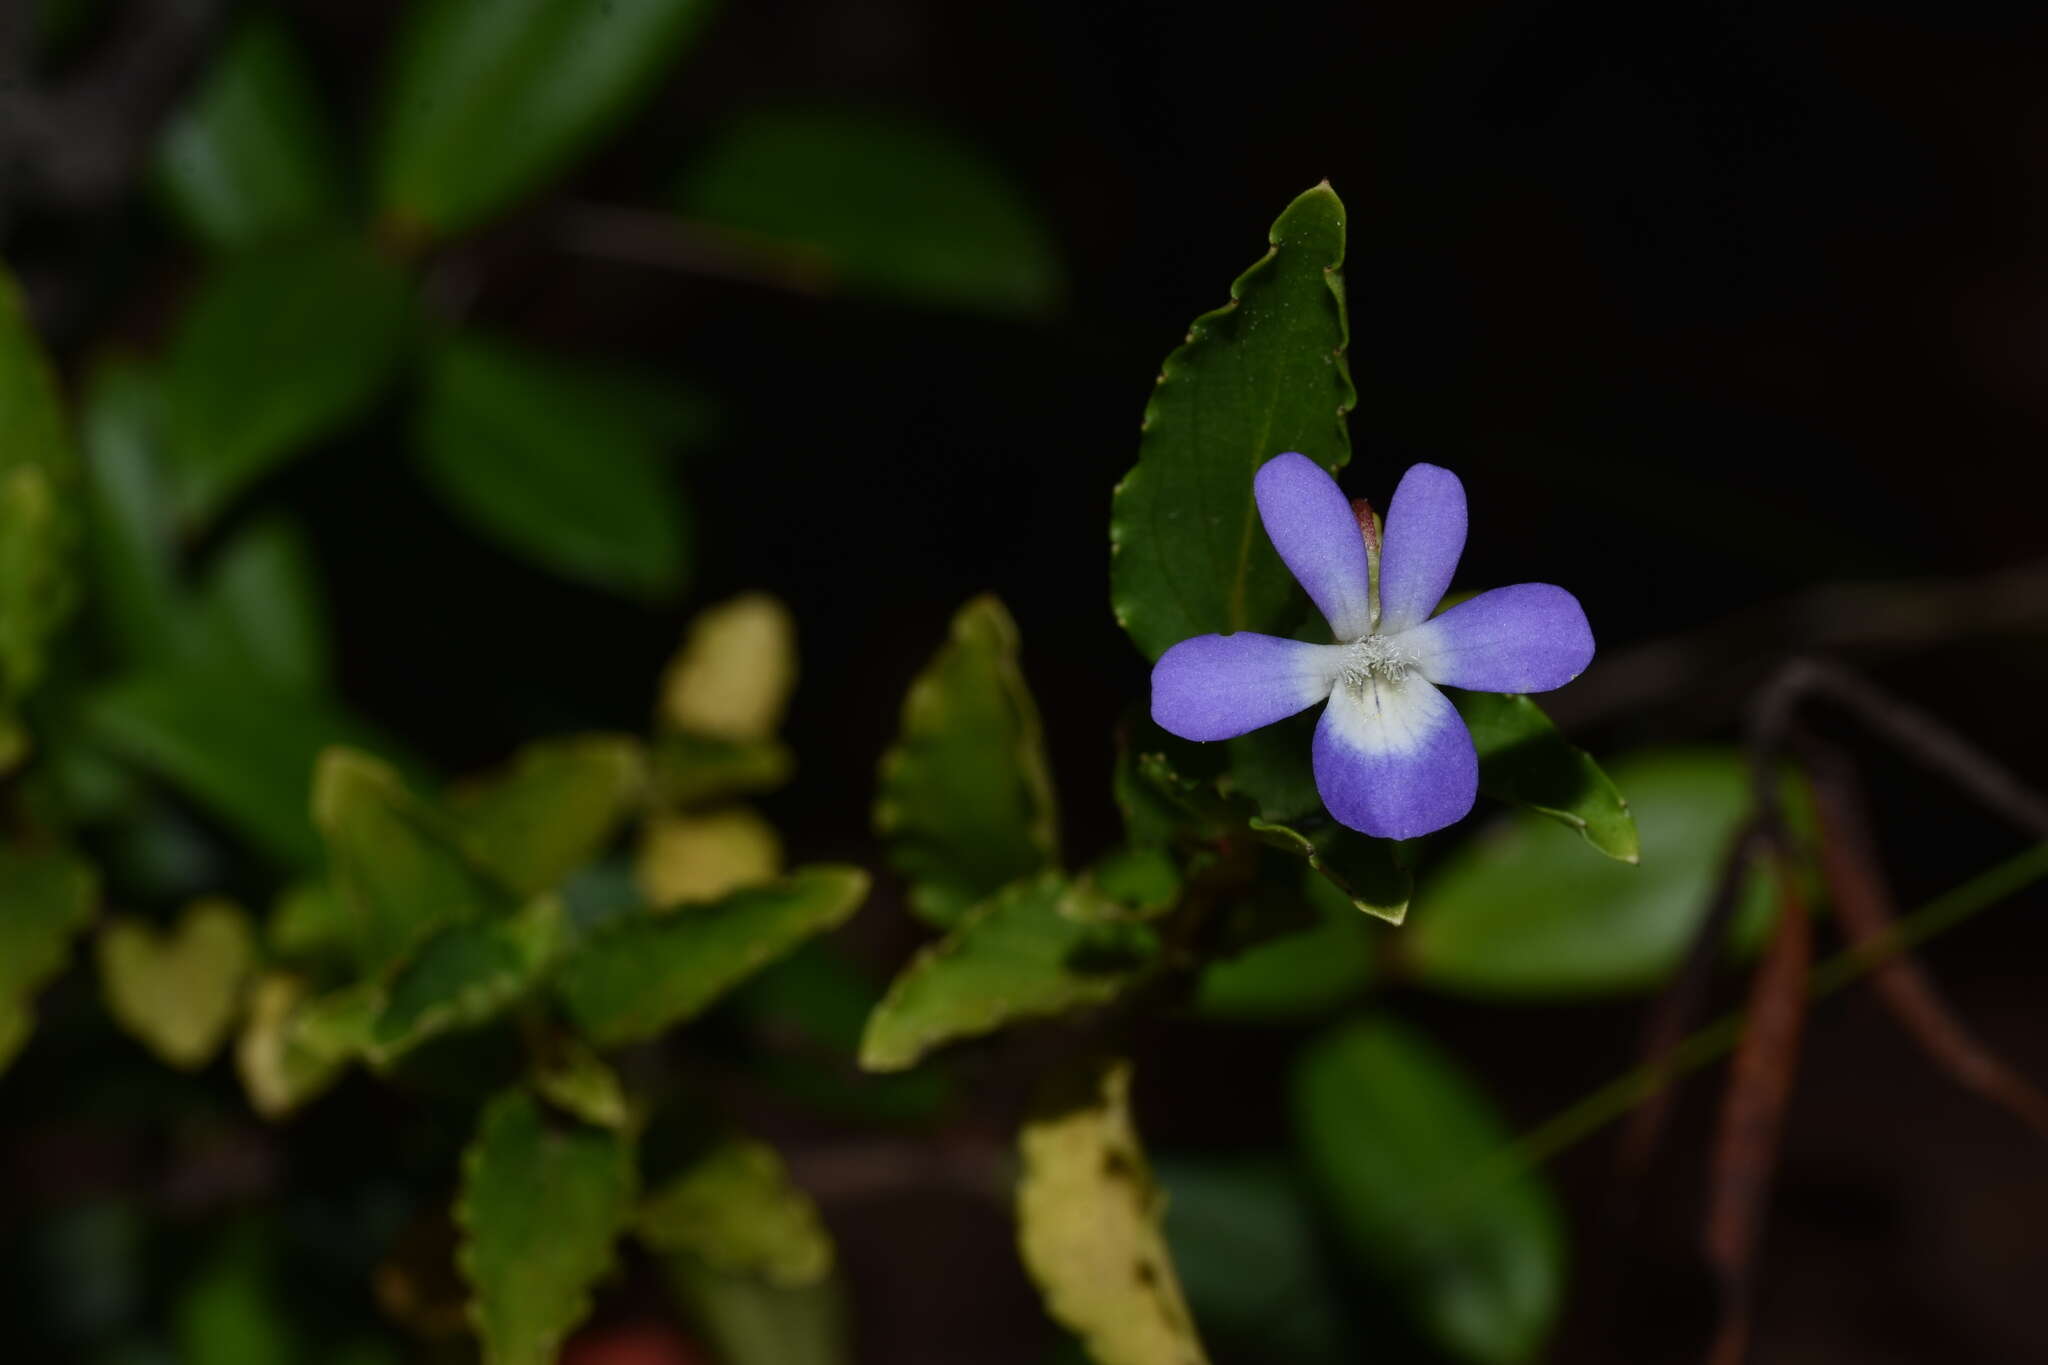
pixel 703 857
pixel 1088 1225
pixel 733 675
pixel 178 993
pixel 282 1061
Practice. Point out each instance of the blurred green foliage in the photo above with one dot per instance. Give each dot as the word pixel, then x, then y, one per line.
pixel 563 987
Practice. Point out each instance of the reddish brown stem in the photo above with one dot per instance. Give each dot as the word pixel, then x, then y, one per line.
pixel 1863 905
pixel 1753 1114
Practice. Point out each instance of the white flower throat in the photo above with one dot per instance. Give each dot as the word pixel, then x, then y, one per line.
pixel 1374 658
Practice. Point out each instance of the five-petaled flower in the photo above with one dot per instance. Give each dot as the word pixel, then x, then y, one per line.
pixel 1392 756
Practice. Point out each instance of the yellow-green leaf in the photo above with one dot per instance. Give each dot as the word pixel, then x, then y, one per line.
pixel 966 800
pixel 556 806
pixel 733 676
pixel 1088 1223
pixel 687 858
pixel 179 992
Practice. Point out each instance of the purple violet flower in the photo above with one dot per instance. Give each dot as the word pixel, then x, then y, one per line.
pixel 1392 756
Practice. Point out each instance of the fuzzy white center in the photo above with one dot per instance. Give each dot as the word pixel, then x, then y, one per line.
pixel 1374 658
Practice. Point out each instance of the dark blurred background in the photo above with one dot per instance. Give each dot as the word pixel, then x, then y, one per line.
pixel 1707 304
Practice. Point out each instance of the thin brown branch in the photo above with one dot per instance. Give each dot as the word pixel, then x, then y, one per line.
pixel 1753 1115
pixel 1727 658
pixel 1863 905
pixel 665 241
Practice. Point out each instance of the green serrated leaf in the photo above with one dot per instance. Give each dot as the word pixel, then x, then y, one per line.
pixel 1516 911
pixel 1023 953
pixel 1088 1224
pixel 735 1209
pixel 965 799
pixel 1407 1151
pixel 279 348
pixel 49 898
pixel 530 1261
pixel 485 102
pixel 178 993
pixel 539 455
pixel 1261 375
pixel 879 206
pixel 691 770
pixel 556 806
pixel 249 157
pixel 465 975
pixel 650 973
pixel 397 865
pixel 38 514
pixel 1523 760
pixel 259 607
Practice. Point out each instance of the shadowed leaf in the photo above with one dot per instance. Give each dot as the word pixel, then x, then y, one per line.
pixel 544 457
pixel 38 514
pixel 487 101
pixel 249 157
pixel 1407 1153
pixel 649 973
pixel 48 899
pixel 277 350
pixel 965 800
pixel 879 206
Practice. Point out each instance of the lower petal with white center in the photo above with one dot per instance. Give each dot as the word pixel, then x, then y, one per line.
pixel 1393 759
